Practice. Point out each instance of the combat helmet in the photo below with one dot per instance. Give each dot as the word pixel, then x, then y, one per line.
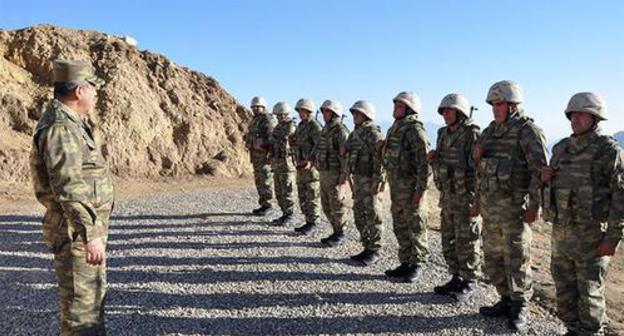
pixel 305 104
pixel 505 91
pixel 457 102
pixel 258 101
pixel 281 108
pixel 588 102
pixel 332 105
pixel 364 107
pixel 410 99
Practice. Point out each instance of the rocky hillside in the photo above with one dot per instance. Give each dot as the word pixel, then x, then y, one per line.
pixel 154 118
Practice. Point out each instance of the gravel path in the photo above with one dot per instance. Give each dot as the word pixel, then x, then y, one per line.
pixel 195 264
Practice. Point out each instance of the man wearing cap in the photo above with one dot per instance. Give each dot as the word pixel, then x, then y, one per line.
pixel 584 199
pixel 257 141
pixel 72 180
pixel 509 154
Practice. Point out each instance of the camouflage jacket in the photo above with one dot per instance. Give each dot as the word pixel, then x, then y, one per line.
pixel 454 169
pixel 70 176
pixel 405 152
pixel 363 158
pixel 327 150
pixel 588 186
pixel 259 131
pixel 515 153
pixel 281 140
pixel 305 139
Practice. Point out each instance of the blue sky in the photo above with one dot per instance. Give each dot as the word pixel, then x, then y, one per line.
pixel 350 50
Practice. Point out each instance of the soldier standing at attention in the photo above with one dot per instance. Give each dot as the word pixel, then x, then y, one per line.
pixel 510 154
pixel 584 199
pixel 257 142
pixel 306 136
pixel 454 176
pixel 330 163
pixel 408 173
pixel 363 154
pixel 72 180
pixel 281 162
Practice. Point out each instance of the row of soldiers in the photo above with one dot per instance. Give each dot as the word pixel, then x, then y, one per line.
pixel 492 186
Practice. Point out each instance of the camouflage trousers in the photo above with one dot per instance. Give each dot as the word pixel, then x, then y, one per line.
pixel 263 177
pixel 284 178
pixel 82 291
pixel 409 222
pixel 461 237
pixel 507 245
pixel 333 199
pixel 366 212
pixel 308 189
pixel 579 276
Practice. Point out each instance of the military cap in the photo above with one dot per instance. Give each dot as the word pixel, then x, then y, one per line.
pixel 71 70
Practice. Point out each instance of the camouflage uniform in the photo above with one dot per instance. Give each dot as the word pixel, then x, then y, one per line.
pixel 329 162
pixel 585 202
pixel 283 167
pixel 364 164
pixel 508 183
pixel 454 177
pixel 308 188
pixel 258 135
pixel 408 173
pixel 72 180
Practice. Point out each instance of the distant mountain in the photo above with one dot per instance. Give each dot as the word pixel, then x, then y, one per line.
pixel 619 136
pixel 430 128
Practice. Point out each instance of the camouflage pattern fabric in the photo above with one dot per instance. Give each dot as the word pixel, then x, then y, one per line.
pixel 330 163
pixel 508 182
pixel 283 167
pixel 72 180
pixel 308 187
pixel 454 176
pixel 405 162
pixel 258 136
pixel 364 164
pixel 585 202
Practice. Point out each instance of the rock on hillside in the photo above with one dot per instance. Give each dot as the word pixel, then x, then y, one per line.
pixel 154 118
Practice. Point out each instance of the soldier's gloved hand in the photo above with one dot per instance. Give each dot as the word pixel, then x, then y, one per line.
pixel 473 210
pixel 477 152
pixel 416 199
pixel 605 249
pixel 529 215
pixel 547 173
pixel 96 253
pixel 432 155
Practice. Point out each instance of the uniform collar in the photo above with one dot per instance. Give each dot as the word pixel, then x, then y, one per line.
pixel 71 114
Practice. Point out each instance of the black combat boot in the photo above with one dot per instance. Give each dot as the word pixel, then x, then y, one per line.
pixel 306 229
pixel 283 220
pixel 500 308
pixel 449 287
pixel 465 290
pixel 358 257
pixel 399 271
pixel 370 257
pixel 570 333
pixel 413 273
pixel 518 316
pixel 261 211
pixel 335 239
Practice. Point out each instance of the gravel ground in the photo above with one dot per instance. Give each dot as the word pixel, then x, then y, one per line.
pixel 196 264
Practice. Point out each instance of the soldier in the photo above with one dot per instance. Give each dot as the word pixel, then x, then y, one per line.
pixel 72 180
pixel 408 173
pixel 281 162
pixel 454 176
pixel 304 140
pixel 257 142
pixel 584 198
pixel 330 163
pixel 363 154
pixel 509 154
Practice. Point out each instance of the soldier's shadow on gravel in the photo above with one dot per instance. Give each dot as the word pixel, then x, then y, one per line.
pixel 209 246
pixel 181 217
pixel 20 220
pixel 117 234
pixel 216 261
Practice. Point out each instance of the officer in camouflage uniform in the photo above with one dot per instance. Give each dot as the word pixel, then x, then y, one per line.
pixel 308 188
pixel 408 173
pixel 330 163
pixel 510 154
pixel 454 176
pixel 584 198
pixel 72 180
pixel 257 142
pixel 281 162
pixel 364 165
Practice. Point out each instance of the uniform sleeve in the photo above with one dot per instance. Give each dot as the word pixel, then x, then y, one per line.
pixel 313 136
pixel 533 145
pixel 62 154
pixel 419 145
pixel 379 174
pixel 471 183
pixel 340 138
pixel 615 229
pixel 345 152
